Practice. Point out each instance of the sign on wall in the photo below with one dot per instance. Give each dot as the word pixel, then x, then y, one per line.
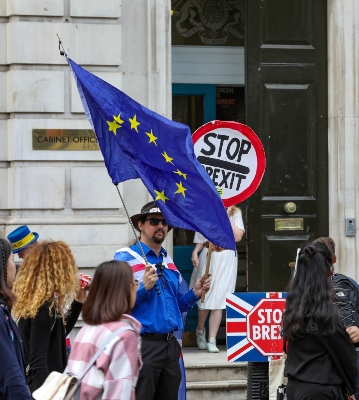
pixel 253 326
pixel 64 139
pixel 233 156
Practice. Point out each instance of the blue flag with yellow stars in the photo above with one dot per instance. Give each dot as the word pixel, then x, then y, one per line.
pixel 139 143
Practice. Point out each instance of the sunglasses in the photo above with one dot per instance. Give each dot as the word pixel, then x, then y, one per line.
pixel 156 221
pixel 137 283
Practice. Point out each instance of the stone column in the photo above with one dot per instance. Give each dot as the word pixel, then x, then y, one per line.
pixel 343 112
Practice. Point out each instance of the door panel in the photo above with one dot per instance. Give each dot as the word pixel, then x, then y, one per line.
pixel 286 105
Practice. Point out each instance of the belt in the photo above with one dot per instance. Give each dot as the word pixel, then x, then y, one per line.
pixel 214 247
pixel 159 336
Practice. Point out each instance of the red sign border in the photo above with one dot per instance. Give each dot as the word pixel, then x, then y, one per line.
pixel 258 147
pixel 250 340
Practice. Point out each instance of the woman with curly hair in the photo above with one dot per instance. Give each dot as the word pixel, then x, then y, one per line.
pixel 321 361
pixel 46 284
pixel 12 367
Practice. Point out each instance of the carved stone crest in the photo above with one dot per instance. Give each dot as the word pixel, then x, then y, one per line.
pixel 214 21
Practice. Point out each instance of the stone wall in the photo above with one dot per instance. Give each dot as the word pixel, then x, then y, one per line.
pixel 67 195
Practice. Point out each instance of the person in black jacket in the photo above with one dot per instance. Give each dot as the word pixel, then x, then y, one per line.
pixel 12 367
pixel 321 361
pixel 345 309
pixel 45 285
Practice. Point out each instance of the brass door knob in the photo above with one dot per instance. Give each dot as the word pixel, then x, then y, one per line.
pixel 292 264
pixel 290 207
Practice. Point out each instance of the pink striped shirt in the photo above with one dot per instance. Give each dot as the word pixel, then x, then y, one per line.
pixel 115 373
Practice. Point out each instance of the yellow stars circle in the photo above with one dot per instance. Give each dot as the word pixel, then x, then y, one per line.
pixel 152 137
pixel 161 196
pixel 167 157
pixel 181 189
pixel 134 123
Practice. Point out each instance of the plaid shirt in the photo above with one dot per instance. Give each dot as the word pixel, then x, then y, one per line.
pixel 114 375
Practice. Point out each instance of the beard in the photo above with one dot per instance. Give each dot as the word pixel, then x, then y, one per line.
pixel 159 240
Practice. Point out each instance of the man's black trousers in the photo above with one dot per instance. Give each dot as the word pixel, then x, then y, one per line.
pixel 160 375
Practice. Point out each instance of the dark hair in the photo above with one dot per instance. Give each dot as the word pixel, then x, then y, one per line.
pixel 110 293
pixel 310 305
pixel 5 292
pixel 329 242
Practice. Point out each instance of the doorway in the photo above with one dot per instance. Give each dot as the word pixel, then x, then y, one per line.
pixel 282 72
pixel 194 105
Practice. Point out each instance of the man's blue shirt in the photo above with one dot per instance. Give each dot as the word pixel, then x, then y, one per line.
pixel 158 314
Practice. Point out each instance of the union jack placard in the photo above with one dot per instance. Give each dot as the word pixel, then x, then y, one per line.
pixel 253 326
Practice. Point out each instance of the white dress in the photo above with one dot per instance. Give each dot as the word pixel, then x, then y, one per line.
pixel 223 268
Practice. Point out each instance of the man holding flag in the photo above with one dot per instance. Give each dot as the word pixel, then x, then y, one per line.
pixel 159 307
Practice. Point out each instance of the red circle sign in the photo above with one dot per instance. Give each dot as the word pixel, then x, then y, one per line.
pixel 233 156
pixel 264 325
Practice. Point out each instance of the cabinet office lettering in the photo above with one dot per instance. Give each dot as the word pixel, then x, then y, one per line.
pixel 66 139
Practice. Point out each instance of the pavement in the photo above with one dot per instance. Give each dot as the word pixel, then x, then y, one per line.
pixel 193 355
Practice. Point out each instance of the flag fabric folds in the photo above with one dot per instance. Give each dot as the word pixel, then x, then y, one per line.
pixel 139 143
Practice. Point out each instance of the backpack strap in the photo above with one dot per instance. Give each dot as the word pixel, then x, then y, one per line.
pixel 105 342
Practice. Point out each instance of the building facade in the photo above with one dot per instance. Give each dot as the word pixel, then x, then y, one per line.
pixel 67 194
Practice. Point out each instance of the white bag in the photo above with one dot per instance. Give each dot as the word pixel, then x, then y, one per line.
pixel 58 386
pixel 66 386
pixel 277 380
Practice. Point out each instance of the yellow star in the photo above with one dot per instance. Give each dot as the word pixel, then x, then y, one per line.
pixel 167 157
pixel 152 137
pixel 161 196
pixel 134 123
pixel 118 119
pixel 181 189
pixel 112 126
pixel 178 172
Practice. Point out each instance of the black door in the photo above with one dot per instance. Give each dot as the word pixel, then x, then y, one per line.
pixel 286 105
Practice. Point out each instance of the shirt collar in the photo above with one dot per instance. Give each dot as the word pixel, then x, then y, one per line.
pixel 147 249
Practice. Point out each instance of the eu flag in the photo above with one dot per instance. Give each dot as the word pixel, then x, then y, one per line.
pixel 139 143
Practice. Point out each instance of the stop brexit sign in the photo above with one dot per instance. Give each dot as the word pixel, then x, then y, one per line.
pixel 263 326
pixel 233 156
pixel 253 325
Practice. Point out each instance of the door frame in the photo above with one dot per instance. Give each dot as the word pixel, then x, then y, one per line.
pixel 207 91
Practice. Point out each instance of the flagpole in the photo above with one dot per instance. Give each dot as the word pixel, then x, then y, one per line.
pixel 208 262
pixel 132 226
pixel 158 291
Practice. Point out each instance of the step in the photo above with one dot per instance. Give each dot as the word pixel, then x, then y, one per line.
pixel 203 372
pixel 217 390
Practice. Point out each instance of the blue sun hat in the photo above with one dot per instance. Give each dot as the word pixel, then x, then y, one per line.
pixel 21 238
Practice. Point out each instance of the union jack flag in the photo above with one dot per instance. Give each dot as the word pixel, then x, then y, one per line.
pixel 238 306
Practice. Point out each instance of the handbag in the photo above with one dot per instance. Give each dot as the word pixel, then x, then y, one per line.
pixel 67 386
pixel 277 380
